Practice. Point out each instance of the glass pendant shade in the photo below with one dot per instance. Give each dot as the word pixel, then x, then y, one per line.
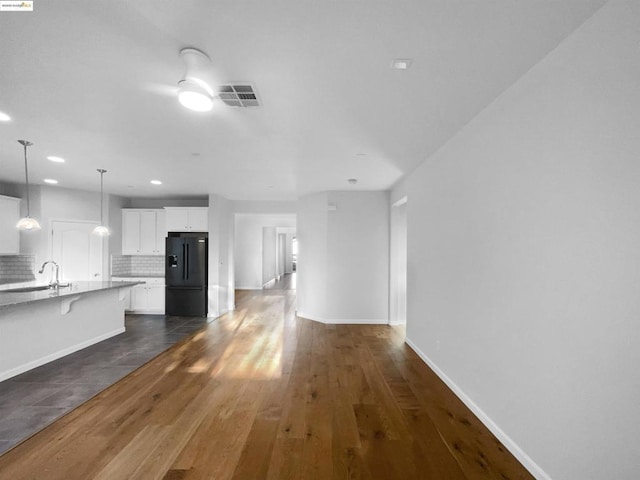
pixel 27 223
pixel 101 230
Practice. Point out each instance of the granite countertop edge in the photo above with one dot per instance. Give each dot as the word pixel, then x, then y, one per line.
pixel 10 299
pixel 161 275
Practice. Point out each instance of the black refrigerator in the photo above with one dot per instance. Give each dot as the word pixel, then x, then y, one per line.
pixel 186 269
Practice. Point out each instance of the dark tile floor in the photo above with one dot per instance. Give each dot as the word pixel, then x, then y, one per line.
pixel 34 399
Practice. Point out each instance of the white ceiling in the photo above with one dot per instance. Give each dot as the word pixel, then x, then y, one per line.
pixel 93 82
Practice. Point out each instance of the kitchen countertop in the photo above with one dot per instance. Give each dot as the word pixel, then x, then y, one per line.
pixel 8 299
pixel 6 280
pixel 161 275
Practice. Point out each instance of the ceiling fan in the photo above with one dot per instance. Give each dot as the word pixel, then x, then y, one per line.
pixel 198 89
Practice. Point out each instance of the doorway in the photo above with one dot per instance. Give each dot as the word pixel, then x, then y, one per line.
pixel 78 252
pixel 398 267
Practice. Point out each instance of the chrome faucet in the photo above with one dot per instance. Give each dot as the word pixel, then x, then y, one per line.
pixel 55 283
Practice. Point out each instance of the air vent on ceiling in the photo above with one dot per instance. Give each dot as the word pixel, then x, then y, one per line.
pixel 238 95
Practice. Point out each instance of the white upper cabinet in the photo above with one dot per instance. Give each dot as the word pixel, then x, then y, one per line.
pixel 143 232
pixel 187 219
pixel 9 234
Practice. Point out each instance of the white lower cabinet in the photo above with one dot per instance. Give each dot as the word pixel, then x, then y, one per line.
pixel 147 297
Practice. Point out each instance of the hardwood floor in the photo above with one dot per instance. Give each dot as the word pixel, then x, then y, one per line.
pixel 259 394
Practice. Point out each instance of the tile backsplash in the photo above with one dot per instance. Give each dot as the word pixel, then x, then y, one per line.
pixel 137 265
pixel 17 268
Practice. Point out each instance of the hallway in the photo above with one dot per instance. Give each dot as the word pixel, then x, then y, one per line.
pixel 286 281
pixel 260 393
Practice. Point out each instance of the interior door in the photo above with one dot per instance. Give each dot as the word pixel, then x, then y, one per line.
pixel 77 251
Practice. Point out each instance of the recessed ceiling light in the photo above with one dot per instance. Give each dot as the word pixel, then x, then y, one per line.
pixel 55 159
pixel 353 181
pixel 4 117
pixel 50 180
pixel 156 182
pixel 401 63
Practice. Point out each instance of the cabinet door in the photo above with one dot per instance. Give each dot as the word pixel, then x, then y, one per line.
pixel 176 219
pixel 155 298
pixel 9 234
pixel 139 297
pixel 130 232
pixel 199 219
pixel 161 232
pixel 148 233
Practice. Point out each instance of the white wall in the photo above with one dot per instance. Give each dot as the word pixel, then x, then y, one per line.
pixel 312 231
pixel 248 242
pixel 269 254
pixel 524 256
pixel 281 249
pixel 398 263
pixel 221 295
pixel 344 257
pixel 265 208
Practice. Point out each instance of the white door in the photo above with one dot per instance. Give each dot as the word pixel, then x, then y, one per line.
pixel 77 251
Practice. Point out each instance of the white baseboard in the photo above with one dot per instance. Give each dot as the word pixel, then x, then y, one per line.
pixel 340 321
pixel 396 323
pixel 25 367
pixel 248 287
pixel 512 446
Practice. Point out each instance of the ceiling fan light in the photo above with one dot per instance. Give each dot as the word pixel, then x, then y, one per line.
pixel 194 97
pixel 101 231
pixel 29 224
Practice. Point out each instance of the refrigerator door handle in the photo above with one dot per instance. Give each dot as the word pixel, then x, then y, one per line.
pixel 186 265
pixel 183 262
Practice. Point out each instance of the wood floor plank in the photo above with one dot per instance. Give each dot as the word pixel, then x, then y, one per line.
pixel 260 393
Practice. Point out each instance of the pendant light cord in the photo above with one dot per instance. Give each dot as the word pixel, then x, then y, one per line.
pixel 102 171
pixel 26 176
pixel 101 200
pixel 25 144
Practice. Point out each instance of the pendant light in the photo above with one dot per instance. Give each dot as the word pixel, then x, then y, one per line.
pixel 27 223
pixel 101 229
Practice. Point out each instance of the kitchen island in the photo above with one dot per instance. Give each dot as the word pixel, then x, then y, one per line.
pixel 37 327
